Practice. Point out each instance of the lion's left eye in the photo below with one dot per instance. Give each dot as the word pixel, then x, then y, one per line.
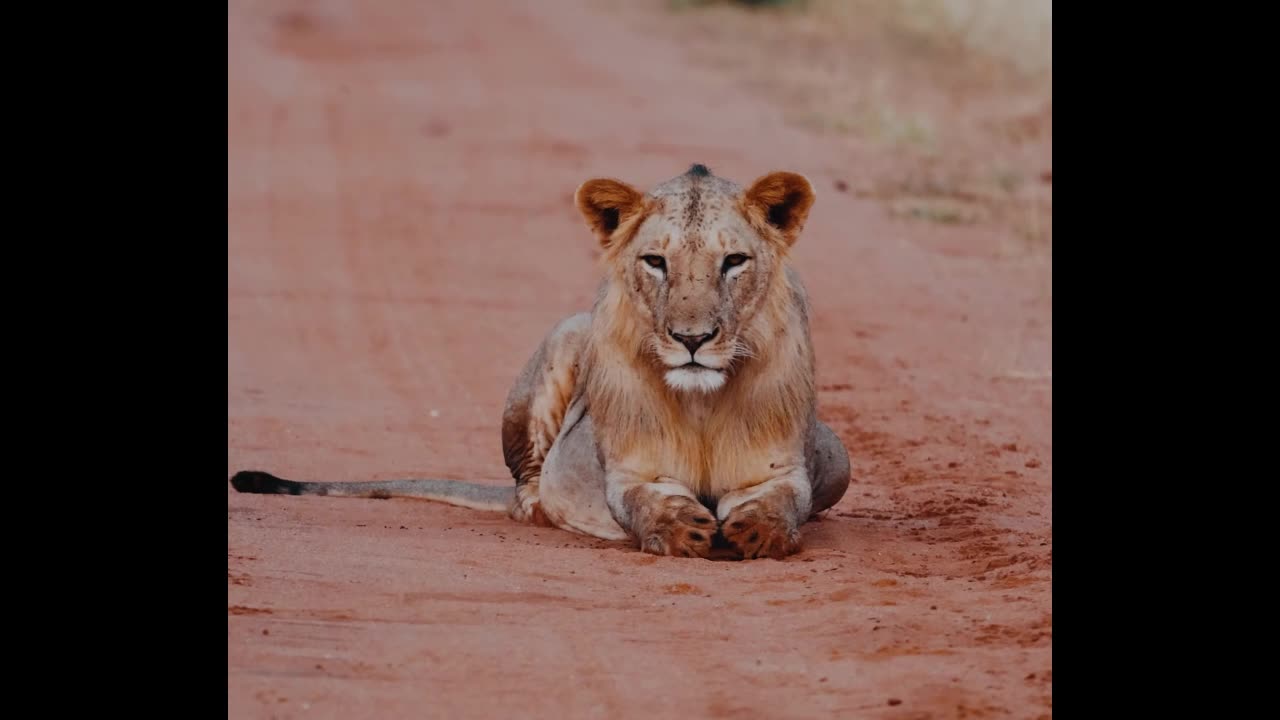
pixel 733 261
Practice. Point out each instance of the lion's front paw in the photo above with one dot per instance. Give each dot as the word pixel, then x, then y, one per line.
pixel 755 531
pixel 681 527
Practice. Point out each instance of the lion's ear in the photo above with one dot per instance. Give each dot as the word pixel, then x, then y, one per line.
pixel 780 200
pixel 606 204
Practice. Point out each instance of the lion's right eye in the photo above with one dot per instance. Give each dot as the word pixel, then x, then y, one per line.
pixel 733 261
pixel 655 261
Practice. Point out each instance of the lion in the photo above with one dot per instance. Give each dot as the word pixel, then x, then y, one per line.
pixel 680 413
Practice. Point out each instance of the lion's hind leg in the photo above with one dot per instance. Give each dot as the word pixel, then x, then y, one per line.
pixel 535 412
pixel 829 468
pixel 527 507
pixel 572 486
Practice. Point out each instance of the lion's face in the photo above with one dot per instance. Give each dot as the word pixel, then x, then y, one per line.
pixel 697 256
pixel 699 284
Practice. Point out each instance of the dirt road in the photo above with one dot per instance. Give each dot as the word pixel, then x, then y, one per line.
pixel 402 235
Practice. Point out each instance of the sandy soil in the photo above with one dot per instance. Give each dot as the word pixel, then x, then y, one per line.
pixel 402 235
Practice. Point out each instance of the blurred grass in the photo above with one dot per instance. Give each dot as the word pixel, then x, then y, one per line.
pixel 1019 32
pixel 944 106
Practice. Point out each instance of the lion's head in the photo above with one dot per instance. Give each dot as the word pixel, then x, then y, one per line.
pixel 698 259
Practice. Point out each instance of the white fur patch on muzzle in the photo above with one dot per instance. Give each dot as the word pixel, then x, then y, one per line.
pixel 694 379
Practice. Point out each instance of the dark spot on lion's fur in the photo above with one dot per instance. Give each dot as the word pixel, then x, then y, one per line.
pixel 780 214
pixel 699 170
pixel 697 536
pixel 693 207
pixel 517 450
pixel 609 219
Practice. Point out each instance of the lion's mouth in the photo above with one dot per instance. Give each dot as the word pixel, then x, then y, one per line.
pixel 695 377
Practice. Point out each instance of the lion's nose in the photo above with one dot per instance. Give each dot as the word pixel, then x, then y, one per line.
pixel 693 342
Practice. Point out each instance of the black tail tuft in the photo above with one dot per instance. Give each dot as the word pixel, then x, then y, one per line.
pixel 699 170
pixel 254 481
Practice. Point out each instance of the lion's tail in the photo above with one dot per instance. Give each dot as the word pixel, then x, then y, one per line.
pixel 453 492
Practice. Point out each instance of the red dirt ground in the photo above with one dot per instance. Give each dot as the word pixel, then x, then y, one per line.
pixel 402 235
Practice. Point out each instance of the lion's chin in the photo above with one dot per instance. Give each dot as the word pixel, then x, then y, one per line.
pixel 694 378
